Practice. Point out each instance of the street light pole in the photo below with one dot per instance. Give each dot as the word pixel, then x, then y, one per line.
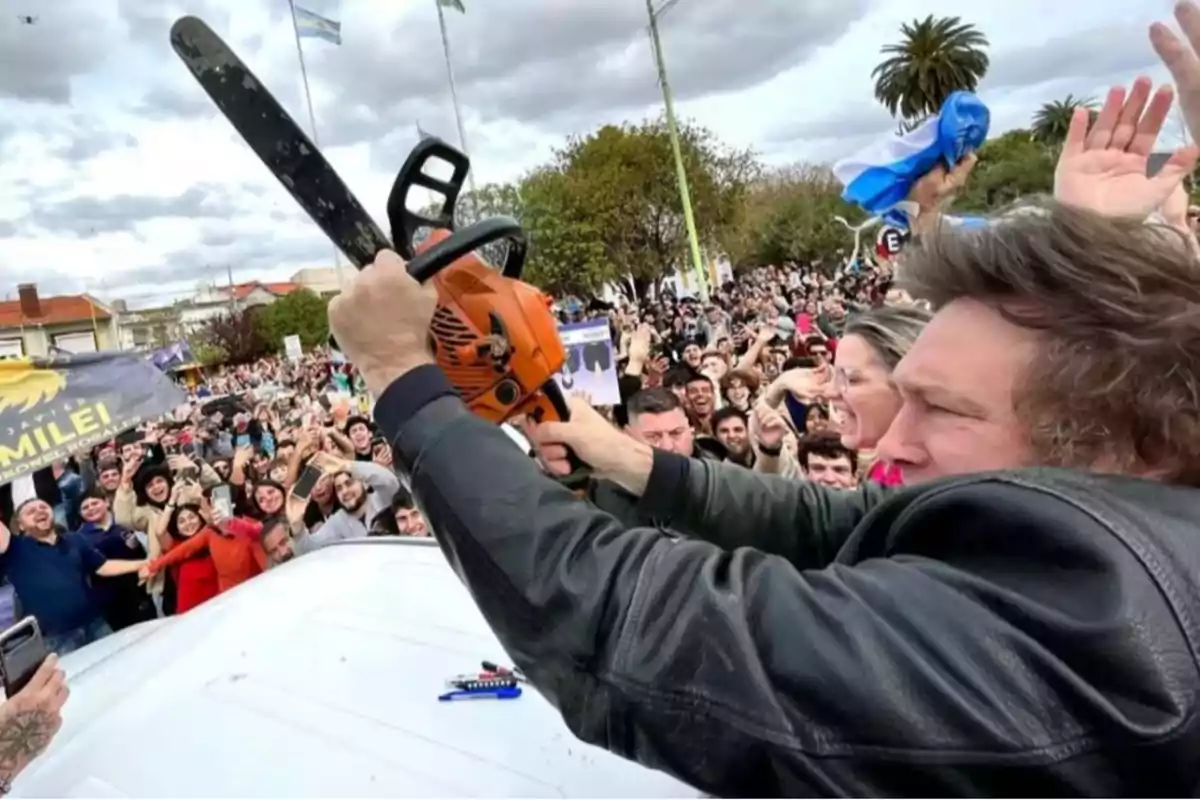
pixel 685 196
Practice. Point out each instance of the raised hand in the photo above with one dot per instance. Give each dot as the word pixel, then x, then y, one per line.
pixel 1180 57
pixel 1104 169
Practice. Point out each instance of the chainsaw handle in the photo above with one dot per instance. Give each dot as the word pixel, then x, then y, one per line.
pixel 558 403
pixel 404 221
pixel 425 265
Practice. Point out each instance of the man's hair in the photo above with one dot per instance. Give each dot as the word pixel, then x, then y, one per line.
pixel 825 444
pixel 679 375
pixel 272 522
pixel 402 499
pixel 889 330
pixel 722 414
pixel 1114 385
pixel 652 401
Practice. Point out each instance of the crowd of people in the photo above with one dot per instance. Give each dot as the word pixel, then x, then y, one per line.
pixel 180 509
pixel 786 370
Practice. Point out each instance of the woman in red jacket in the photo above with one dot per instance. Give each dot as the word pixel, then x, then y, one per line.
pixel 232 545
pixel 195 576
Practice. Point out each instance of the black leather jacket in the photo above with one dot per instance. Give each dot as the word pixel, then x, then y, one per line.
pixel 1000 634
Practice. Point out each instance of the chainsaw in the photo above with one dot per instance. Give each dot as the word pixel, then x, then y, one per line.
pixel 493 335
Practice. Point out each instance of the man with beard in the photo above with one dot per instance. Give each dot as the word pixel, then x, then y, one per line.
pixel 51 573
pixel 732 429
pixel 277 540
pixel 122 601
pixel 362 490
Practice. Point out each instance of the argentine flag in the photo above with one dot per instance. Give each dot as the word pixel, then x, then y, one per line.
pixel 879 177
pixel 310 25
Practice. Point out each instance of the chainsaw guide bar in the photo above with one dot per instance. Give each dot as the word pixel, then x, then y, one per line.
pixel 278 141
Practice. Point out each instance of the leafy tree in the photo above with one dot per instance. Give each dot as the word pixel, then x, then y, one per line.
pixel 1010 167
pixel 1051 121
pixel 301 312
pixel 567 250
pixel 611 199
pixel 935 57
pixel 789 215
pixel 210 355
pixel 236 334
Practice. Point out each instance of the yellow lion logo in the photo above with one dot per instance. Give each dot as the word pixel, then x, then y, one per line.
pixel 23 384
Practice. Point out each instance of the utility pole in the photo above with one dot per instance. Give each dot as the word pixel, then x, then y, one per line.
pixel 232 296
pixel 685 196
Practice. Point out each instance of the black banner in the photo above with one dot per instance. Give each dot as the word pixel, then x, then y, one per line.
pixel 50 408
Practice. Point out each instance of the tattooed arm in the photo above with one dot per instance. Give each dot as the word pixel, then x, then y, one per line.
pixel 29 720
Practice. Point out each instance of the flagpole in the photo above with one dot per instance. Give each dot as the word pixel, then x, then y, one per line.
pixel 462 135
pixel 312 121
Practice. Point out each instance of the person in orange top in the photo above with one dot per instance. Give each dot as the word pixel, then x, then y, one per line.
pixel 233 544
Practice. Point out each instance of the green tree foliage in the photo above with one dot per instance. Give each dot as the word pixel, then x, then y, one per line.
pixel 301 312
pixel 237 335
pixel 210 355
pixel 789 215
pixel 1010 167
pixel 1051 121
pixel 935 57
pixel 607 208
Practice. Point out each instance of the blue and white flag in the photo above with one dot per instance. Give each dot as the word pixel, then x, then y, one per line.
pixel 880 177
pixel 311 25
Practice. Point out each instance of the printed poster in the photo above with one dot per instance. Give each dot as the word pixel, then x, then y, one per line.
pixel 591 366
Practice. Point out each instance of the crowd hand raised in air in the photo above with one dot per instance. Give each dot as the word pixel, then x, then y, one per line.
pixel 1104 169
pixel 934 190
pixel 1180 57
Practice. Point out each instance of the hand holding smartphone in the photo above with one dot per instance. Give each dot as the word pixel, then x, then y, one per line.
pixel 222 502
pixel 22 651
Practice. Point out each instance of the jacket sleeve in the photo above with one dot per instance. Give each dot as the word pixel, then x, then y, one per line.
pixel 743 675
pixel 731 506
pixel 182 552
pixel 381 479
pixel 125 508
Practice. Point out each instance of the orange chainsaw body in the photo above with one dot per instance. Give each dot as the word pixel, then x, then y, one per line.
pixel 495 338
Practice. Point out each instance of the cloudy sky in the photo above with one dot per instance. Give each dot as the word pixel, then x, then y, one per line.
pixel 119 177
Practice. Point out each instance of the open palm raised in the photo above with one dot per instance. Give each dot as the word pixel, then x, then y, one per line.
pixel 1104 169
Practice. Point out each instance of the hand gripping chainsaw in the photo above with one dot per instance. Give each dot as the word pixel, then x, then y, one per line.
pixel 493 335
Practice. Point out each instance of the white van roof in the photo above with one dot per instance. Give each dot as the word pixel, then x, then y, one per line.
pixel 318 679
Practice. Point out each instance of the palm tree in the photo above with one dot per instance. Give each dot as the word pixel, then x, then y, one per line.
pixel 936 56
pixel 1051 121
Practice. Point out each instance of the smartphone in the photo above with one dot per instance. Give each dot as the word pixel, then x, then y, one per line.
pixel 22 651
pixel 222 499
pixel 307 480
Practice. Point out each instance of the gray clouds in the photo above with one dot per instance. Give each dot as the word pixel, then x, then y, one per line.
pixel 1092 53
pixel 88 215
pixel 544 64
pixel 38 62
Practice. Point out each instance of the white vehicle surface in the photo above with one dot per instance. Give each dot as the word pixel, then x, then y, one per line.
pixel 318 679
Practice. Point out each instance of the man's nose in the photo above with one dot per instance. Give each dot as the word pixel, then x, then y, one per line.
pixel 899 445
